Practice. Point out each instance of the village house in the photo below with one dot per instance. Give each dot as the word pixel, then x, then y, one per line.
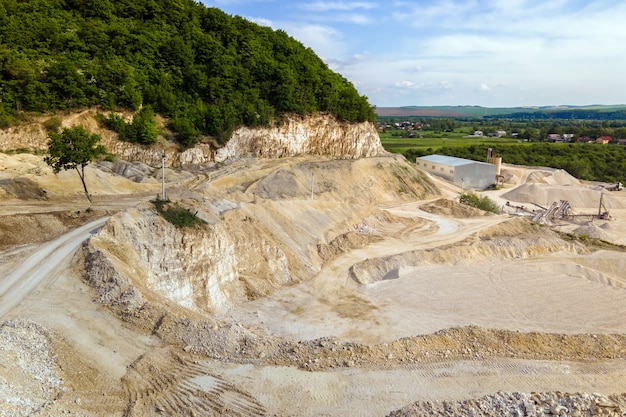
pixel 603 140
pixel 554 137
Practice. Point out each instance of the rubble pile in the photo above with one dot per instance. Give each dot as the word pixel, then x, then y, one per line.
pixel 521 404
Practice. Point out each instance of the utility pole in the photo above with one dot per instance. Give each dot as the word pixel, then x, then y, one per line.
pixel 163 175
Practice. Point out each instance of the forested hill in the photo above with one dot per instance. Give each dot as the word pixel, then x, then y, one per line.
pixel 205 70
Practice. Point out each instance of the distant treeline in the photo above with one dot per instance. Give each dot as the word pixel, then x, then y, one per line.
pixel 532 129
pixel 564 114
pixel 593 112
pixel 206 71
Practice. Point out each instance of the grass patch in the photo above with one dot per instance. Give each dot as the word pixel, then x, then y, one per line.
pixel 483 203
pixel 592 242
pixel 53 124
pixel 432 141
pixel 177 215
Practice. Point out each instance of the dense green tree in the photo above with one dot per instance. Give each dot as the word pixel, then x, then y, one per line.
pixel 144 127
pixel 483 203
pixel 205 70
pixel 73 148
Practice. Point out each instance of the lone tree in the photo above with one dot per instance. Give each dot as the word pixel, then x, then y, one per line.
pixel 73 148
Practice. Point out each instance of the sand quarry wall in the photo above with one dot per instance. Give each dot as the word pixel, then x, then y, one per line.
pixel 271 235
pixel 317 134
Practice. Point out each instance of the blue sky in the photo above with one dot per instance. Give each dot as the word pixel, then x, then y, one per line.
pixel 492 53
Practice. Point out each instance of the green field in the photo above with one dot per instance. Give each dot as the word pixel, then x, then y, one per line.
pixel 432 141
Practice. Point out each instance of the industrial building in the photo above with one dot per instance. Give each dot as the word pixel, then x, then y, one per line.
pixel 463 172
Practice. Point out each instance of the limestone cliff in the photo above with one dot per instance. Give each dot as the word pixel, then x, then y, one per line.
pixel 317 134
pixel 201 269
pixel 313 135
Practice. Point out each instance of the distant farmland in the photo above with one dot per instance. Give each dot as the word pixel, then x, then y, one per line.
pixel 416 112
pixel 595 112
pixel 450 111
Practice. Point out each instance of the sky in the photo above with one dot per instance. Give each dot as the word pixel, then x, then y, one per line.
pixel 491 53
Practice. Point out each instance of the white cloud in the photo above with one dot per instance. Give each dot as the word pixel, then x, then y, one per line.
pixel 406 84
pixel 226 3
pixel 326 41
pixel 358 19
pixel 425 86
pixel 261 21
pixel 548 48
pixel 485 52
pixel 327 6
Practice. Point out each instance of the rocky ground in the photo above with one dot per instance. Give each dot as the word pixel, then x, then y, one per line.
pixel 318 286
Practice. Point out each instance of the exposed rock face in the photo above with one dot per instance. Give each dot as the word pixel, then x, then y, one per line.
pixel 312 135
pixel 201 269
pixel 31 136
pixel 374 270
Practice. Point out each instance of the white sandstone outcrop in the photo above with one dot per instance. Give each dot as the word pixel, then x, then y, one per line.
pixel 316 134
pixel 202 269
pixel 313 135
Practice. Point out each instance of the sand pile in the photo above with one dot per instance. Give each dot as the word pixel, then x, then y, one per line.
pixel 593 230
pixel 544 187
pixel 544 195
pixel 552 177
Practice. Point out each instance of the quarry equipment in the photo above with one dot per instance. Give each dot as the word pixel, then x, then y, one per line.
pixel 558 210
pixel 616 187
pixel 563 210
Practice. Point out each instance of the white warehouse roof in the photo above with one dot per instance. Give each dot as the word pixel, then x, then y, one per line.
pixel 460 171
pixel 449 160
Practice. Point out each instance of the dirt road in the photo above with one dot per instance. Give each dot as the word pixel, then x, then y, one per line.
pixel 39 265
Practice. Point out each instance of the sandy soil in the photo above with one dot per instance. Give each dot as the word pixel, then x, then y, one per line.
pixel 100 365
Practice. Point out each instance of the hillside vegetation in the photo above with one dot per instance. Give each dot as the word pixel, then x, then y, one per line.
pixel 204 70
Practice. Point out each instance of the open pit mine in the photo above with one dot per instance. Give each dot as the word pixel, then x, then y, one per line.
pixel 320 276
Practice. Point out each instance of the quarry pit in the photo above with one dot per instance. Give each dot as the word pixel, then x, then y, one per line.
pixel 316 286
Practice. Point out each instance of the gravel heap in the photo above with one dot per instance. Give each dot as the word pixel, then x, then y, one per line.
pixel 518 404
pixel 27 361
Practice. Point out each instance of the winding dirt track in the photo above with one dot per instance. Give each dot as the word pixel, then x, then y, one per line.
pixel 39 265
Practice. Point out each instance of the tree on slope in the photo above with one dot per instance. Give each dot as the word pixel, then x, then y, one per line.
pixel 74 148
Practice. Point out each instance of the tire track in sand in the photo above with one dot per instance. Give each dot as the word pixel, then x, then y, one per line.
pixel 169 384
